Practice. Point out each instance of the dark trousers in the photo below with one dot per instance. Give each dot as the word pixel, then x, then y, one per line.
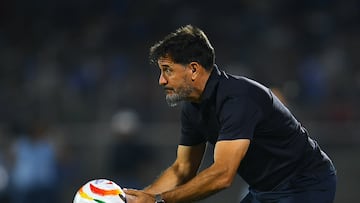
pixel 301 189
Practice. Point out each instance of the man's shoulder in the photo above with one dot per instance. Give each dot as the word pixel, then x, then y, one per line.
pixel 240 85
pixel 244 92
pixel 242 82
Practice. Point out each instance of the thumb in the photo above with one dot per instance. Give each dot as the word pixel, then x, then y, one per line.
pixel 129 195
pixel 132 192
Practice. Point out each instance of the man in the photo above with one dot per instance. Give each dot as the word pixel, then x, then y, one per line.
pixel 254 134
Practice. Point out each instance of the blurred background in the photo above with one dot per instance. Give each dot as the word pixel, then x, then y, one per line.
pixel 79 100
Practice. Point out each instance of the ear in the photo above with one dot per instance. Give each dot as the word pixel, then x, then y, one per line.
pixel 196 69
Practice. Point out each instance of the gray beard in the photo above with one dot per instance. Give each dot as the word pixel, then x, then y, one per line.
pixel 174 100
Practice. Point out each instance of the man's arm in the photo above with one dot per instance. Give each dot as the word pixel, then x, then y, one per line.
pixel 182 170
pixel 227 158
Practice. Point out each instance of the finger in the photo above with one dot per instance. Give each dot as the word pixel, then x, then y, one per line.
pixel 132 192
pixel 130 199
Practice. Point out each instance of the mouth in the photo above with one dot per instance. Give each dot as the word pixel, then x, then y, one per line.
pixel 168 90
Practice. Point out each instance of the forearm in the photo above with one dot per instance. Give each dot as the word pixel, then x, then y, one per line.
pixel 182 170
pixel 206 183
pixel 227 158
pixel 168 180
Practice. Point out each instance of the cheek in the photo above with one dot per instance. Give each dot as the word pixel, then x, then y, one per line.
pixel 173 81
pixel 178 82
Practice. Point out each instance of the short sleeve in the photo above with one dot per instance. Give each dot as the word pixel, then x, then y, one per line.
pixel 190 135
pixel 238 119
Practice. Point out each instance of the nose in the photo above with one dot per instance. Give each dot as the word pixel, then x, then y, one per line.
pixel 162 80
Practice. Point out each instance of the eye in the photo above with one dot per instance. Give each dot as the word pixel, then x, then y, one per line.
pixel 167 70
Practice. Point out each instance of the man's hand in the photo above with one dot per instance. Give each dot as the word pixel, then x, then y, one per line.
pixel 138 196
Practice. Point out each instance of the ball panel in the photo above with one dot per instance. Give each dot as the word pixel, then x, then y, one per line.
pixel 105 188
pixel 100 191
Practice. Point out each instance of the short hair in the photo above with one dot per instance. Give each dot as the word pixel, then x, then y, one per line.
pixel 185 45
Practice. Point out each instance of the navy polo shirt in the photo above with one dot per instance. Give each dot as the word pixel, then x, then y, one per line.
pixel 235 107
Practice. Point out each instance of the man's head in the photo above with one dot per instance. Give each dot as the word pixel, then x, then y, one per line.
pixel 185 58
pixel 187 44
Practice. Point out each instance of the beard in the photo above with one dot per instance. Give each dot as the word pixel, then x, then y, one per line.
pixel 180 95
pixel 174 99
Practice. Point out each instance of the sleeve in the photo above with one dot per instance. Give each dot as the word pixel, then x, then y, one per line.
pixel 189 134
pixel 238 119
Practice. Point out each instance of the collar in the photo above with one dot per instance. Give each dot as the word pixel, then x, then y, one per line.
pixel 211 84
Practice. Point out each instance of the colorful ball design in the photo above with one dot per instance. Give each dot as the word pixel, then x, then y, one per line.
pixel 100 191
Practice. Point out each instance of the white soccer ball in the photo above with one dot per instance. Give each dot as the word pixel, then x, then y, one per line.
pixel 100 191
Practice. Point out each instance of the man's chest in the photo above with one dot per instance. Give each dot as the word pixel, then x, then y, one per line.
pixel 208 124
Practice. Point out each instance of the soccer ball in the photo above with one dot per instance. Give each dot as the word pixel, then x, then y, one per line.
pixel 100 191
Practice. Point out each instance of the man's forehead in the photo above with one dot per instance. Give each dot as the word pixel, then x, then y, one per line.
pixel 165 61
